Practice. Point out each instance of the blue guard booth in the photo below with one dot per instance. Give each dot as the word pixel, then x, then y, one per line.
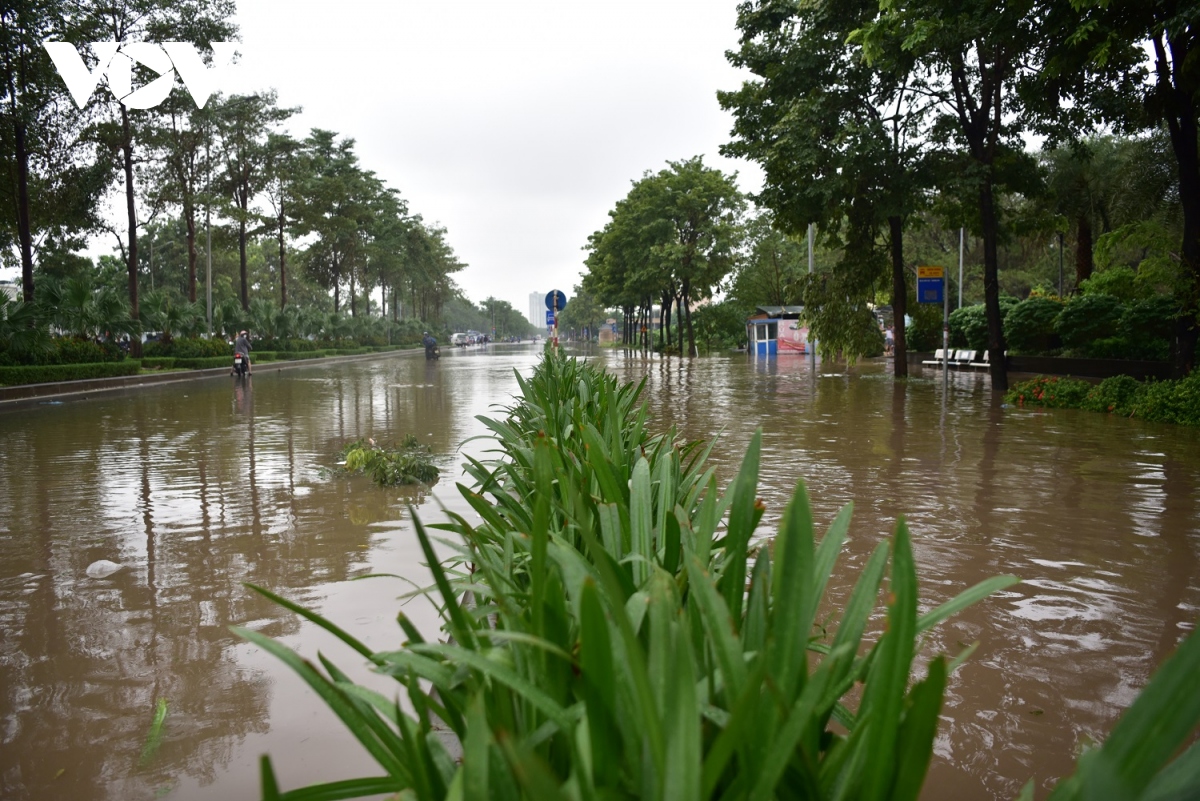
pixel 775 330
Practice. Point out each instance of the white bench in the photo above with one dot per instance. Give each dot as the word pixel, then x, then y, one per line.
pixel 939 356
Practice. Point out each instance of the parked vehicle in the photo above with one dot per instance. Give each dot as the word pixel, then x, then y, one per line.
pixel 459 339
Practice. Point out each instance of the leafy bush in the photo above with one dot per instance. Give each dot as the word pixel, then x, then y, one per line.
pixel 1119 395
pixel 206 363
pixel 968 325
pixel 1086 318
pixel 620 642
pixel 1159 401
pixel 1051 392
pixel 1148 327
pixel 1172 401
pixel 158 362
pixel 1118 282
pixel 196 348
pixel 720 326
pixel 293 345
pixel 1029 325
pixel 45 373
pixel 924 333
pixel 388 465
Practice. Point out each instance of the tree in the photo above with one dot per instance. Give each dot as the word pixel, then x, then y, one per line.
pixel 841 142
pixel 127 22
pixel 55 182
pixel 244 122
pixel 674 235
pixel 284 160
pixel 979 59
pixel 1089 36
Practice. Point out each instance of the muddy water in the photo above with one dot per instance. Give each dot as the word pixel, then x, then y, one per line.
pixel 202 486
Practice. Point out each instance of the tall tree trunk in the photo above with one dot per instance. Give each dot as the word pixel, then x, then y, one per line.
pixel 135 345
pixel 24 228
pixel 679 319
pixel 337 286
pixel 282 258
pixel 243 199
pixel 189 216
pixel 899 299
pixel 353 304
pixel 997 362
pixel 1181 122
pixel 686 294
pixel 664 321
pixel 1083 249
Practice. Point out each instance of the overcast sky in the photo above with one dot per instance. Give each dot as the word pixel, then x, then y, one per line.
pixel 517 125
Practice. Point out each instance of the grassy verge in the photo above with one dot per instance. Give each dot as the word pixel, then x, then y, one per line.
pixel 1158 401
pixel 614 630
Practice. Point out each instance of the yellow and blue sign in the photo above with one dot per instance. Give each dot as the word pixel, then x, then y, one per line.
pixel 931 284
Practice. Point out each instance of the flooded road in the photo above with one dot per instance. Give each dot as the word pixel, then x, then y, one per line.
pixel 198 487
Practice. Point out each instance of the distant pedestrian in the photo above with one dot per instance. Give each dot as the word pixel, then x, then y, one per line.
pixel 889 342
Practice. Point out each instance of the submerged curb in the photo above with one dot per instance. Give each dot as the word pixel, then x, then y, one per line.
pixel 84 388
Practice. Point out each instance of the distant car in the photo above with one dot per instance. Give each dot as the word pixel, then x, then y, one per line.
pixel 459 339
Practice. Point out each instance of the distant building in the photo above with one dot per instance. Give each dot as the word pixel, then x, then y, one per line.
pixel 537 309
pixel 11 291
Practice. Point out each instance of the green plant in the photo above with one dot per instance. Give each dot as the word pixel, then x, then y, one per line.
pixel 611 639
pixel 45 373
pixel 1086 318
pixel 1029 325
pixel 1148 326
pixel 1051 392
pixel 1120 395
pixel 389 465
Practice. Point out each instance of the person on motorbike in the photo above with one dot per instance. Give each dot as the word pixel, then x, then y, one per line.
pixel 430 344
pixel 242 346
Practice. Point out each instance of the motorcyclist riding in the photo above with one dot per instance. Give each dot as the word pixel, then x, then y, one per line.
pixel 431 346
pixel 242 346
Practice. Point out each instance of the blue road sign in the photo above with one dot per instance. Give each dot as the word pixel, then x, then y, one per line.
pixel 556 300
pixel 929 290
pixel 549 318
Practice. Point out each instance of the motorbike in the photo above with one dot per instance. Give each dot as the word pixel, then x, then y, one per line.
pixel 241 365
pixel 432 352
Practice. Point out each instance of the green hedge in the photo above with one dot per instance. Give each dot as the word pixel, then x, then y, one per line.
pixel 1157 401
pixel 204 364
pixel 46 373
pixel 158 363
pixel 193 348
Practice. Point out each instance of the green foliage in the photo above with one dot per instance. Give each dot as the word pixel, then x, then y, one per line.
pixel 1087 318
pixel 720 326
pixel 1119 395
pixel 189 348
pixel 1029 325
pixel 207 362
pixel 621 637
pixel 389 465
pixel 968 327
pixel 1119 282
pixel 1051 392
pixel 924 333
pixel 1148 326
pixel 41 374
pixel 1158 401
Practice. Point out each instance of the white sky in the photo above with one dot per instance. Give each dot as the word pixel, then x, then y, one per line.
pixel 517 125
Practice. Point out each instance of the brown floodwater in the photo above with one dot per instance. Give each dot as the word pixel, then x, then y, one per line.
pixel 198 487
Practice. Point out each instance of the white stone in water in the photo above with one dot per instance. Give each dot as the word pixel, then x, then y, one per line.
pixel 102 569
